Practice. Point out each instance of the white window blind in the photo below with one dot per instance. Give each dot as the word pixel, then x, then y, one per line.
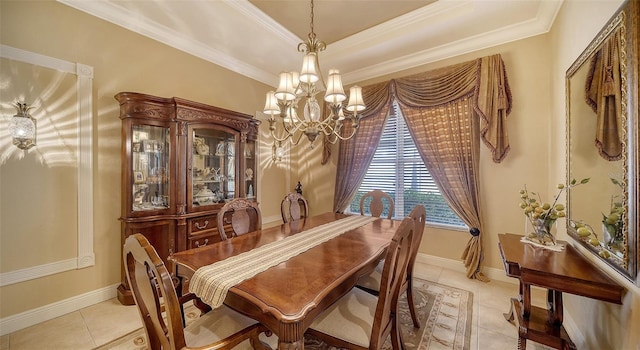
pixel 398 170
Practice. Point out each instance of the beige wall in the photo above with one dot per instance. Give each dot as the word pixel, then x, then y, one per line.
pixel 124 61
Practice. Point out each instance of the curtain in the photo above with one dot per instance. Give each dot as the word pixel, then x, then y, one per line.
pixel 448 111
pixel 355 154
pixel 603 94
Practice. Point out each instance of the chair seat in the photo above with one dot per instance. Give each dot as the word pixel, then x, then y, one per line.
pixel 218 324
pixel 372 280
pixel 350 318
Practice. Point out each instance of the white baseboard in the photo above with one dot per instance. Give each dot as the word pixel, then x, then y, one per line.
pixel 28 318
pixel 458 265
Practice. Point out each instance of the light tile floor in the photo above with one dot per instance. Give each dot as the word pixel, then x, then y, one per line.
pixel 98 324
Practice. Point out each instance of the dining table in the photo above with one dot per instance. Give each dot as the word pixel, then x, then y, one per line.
pixel 287 296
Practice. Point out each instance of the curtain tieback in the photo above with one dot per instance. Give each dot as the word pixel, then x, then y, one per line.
pixel 475 232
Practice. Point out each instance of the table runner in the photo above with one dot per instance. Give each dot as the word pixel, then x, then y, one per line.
pixel 212 282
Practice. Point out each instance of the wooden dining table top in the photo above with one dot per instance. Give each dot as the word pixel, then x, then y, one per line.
pixel 287 297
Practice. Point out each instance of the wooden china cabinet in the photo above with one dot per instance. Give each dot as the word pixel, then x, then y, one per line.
pixel 181 161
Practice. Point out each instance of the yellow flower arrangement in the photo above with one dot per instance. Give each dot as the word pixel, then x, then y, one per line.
pixel 542 215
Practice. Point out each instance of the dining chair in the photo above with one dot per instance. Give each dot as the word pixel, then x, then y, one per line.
pixel 360 320
pixel 294 207
pixel 159 308
pixel 376 206
pixel 371 282
pixel 237 217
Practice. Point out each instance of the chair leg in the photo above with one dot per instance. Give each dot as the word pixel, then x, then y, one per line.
pixel 412 305
pixel 396 337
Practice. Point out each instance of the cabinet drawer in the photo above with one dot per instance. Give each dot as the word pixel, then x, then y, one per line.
pixel 197 226
pixel 210 237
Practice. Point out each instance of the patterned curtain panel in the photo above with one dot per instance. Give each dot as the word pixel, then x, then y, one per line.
pixel 603 94
pixel 448 111
pixel 356 153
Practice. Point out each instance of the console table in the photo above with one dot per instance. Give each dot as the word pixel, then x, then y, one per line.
pixel 565 271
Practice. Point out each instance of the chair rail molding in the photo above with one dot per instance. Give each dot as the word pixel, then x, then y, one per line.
pixel 84 84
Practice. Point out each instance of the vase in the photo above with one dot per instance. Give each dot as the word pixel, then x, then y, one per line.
pixel 543 233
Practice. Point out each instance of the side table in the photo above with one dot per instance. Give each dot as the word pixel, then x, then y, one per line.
pixel 565 271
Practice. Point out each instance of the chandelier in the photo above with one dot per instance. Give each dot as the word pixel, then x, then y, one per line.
pixel 295 87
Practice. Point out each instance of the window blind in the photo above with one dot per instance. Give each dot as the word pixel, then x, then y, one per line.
pixel 398 170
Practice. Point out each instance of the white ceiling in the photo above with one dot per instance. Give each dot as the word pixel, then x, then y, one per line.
pixel 365 38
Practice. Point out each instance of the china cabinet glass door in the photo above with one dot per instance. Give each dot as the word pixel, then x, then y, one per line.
pixel 213 165
pixel 151 164
pixel 250 170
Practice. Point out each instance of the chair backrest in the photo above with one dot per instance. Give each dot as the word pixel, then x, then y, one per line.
pixel 149 281
pixel 376 207
pixel 294 207
pixel 237 217
pixel 393 275
pixel 419 216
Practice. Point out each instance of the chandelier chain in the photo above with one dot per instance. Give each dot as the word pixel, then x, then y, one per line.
pixel 312 32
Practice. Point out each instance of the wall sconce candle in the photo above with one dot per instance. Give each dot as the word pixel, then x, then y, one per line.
pixel 22 127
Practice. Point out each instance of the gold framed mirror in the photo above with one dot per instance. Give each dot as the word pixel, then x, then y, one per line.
pixel 602 143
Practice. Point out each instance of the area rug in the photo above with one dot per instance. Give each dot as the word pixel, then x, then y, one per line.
pixel 445 314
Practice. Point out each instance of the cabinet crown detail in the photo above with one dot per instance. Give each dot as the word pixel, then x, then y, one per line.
pixel 137 105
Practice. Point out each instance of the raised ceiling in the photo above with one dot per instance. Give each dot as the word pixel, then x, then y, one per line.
pixel 365 38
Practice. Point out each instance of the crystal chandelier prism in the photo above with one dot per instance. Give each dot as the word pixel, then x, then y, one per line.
pixel 296 87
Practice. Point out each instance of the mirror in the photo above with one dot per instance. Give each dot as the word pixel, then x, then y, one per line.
pixel 602 143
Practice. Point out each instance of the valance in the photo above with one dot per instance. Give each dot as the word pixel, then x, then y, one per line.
pixel 484 78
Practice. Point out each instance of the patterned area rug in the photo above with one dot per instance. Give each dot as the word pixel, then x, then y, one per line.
pixel 444 312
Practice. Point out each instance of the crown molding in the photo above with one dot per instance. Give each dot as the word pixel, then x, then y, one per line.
pixel 386 34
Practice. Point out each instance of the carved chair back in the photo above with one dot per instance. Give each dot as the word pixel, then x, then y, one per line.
pixel 237 217
pixel 376 206
pixel 294 207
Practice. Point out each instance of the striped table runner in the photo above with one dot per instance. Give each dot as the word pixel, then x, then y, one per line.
pixel 212 282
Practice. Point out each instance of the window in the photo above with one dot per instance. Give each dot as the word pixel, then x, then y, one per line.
pixel 398 170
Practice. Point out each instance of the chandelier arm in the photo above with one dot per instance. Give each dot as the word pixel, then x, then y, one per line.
pixel 332 140
pixel 296 142
pixel 353 132
pixel 296 126
pixel 276 138
pixel 328 129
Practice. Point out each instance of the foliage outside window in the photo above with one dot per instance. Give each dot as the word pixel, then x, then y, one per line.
pixel 398 170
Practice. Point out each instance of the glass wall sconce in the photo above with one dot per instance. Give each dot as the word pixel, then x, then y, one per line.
pixel 22 127
pixel 277 151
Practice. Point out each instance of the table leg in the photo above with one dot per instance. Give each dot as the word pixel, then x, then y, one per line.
pixel 526 301
pixel 296 345
pixel 290 336
pixel 554 303
pixel 510 316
